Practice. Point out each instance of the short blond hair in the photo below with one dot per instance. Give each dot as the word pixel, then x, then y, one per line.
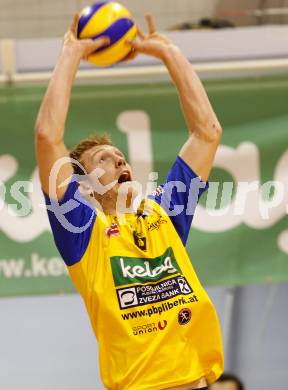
pixel 86 144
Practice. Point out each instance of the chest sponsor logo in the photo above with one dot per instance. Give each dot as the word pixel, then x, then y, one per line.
pixel 147 281
pixel 133 270
pixel 140 295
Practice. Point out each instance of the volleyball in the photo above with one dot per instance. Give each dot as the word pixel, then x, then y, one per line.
pixel 111 19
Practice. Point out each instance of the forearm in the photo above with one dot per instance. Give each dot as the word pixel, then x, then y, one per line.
pixel 54 108
pixel 197 109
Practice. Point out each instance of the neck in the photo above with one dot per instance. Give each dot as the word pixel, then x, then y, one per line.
pixel 110 205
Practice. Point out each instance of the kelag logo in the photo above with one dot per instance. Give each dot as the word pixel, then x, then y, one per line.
pixel 132 270
pixel 132 276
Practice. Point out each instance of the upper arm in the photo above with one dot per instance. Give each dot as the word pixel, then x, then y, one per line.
pixel 72 220
pixel 199 153
pixel 47 154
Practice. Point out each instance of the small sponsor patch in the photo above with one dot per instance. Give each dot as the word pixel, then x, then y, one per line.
pixel 140 241
pixel 184 286
pixel 127 297
pixel 113 230
pixel 149 328
pixel 184 316
pixel 156 223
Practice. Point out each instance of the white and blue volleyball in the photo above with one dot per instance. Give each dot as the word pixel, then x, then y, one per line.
pixel 110 19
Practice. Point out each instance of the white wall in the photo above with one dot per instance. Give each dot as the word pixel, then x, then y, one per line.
pixel 50 18
pixel 197 45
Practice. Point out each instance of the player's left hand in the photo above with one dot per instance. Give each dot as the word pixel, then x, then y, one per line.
pixel 152 44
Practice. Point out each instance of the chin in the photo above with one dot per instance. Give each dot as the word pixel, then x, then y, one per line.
pixel 129 194
pixel 130 188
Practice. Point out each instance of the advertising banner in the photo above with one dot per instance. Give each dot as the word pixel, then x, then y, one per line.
pixel 240 230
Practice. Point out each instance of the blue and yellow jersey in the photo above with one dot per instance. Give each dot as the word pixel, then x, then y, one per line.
pixel 155 324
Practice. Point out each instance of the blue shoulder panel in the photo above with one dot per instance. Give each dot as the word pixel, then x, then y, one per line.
pixel 179 196
pixel 72 220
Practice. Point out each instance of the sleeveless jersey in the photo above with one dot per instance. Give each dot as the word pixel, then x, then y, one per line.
pixel 155 324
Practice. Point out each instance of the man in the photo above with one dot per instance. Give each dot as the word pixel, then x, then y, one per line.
pixel 227 382
pixel 155 325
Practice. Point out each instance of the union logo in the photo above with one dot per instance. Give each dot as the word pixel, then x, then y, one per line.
pixel 162 324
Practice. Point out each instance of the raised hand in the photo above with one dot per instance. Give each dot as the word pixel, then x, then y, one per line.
pixel 153 43
pixel 82 47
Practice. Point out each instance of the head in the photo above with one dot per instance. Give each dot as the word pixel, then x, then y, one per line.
pixel 99 152
pixel 227 382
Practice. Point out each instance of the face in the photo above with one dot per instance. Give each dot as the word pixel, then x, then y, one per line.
pixel 227 385
pixel 113 164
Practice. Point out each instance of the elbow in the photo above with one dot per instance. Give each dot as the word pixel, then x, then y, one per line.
pixel 40 130
pixel 44 135
pixel 214 132
pixel 210 132
pixel 217 131
pixel 41 135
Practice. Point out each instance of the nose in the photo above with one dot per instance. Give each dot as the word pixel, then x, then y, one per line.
pixel 120 161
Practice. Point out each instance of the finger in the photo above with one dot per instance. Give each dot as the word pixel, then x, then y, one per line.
pixel 139 47
pixel 66 36
pixel 133 53
pixel 141 34
pixel 100 42
pixel 133 44
pixel 150 23
pixel 74 24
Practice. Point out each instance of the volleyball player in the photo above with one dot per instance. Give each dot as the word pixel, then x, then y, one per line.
pixel 156 327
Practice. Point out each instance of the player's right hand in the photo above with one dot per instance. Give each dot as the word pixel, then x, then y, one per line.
pixel 82 47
